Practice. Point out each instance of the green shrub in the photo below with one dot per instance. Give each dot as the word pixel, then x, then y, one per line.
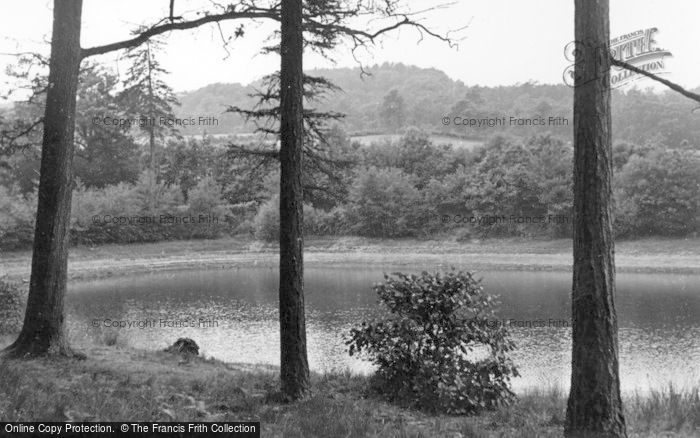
pixel 383 203
pixel 96 212
pixel 524 180
pixel 134 201
pixel 440 347
pixel 205 201
pixel 11 308
pixel 318 222
pixel 16 218
pixel 267 221
pixel 657 194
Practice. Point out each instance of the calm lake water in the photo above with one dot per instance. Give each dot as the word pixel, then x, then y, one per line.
pixel 234 313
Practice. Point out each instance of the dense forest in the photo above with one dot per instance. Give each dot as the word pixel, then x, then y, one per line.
pixel 517 182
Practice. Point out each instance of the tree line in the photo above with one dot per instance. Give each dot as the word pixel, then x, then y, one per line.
pixel 408 187
pixel 396 96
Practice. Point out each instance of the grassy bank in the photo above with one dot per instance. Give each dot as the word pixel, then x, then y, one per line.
pixel 651 255
pixel 118 384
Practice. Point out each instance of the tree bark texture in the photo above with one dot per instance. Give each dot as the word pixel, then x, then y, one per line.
pixel 594 406
pixel 43 331
pixel 294 362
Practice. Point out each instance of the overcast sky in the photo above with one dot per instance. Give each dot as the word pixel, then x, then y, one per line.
pixel 506 42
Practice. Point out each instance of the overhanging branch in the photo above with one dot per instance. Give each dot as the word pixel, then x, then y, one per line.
pixel 360 36
pixel 252 13
pixel 669 84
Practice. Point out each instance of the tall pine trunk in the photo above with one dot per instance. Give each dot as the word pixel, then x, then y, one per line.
pixel 294 363
pixel 594 407
pixel 43 330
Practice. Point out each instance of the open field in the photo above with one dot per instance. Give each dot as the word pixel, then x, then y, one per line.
pixel 437 140
pixel 651 255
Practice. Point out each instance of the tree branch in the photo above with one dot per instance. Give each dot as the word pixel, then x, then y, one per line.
pixel 669 84
pixel 359 35
pixel 8 138
pixel 252 13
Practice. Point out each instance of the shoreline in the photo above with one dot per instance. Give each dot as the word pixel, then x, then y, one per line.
pixel 653 256
pixel 125 384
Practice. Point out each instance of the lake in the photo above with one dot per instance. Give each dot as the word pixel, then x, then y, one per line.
pixel 232 315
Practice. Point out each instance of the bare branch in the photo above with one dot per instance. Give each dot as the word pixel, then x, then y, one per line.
pixel 231 14
pixel 172 12
pixel 224 41
pixel 9 138
pixel 669 84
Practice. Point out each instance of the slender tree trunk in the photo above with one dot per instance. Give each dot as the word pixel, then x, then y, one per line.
pixel 294 363
pixel 43 329
pixel 151 133
pixel 594 407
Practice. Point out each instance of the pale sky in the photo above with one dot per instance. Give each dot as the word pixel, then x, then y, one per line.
pixel 507 42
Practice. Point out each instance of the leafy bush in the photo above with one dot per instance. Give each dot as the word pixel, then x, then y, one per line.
pixel 16 218
pixel 145 211
pixel 149 199
pixel 11 308
pixel 440 347
pixel 205 196
pixel 267 221
pixel 318 222
pixel 383 203
pixel 524 180
pixel 657 194
pixel 110 214
pixel 149 190
pixel 205 201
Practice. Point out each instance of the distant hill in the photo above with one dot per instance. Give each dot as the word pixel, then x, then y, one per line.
pixel 213 100
pixel 429 95
pixel 425 91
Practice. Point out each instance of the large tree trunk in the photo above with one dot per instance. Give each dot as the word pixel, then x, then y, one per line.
pixel 594 407
pixel 294 363
pixel 43 330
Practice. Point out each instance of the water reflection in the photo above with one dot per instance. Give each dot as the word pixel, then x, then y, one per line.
pixel 658 318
